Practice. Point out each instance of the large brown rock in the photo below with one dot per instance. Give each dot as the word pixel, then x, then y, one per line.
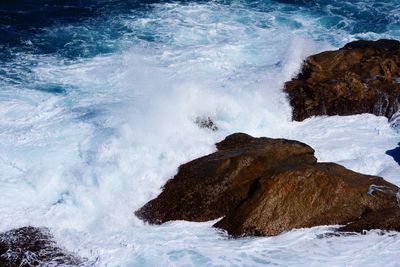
pixel 263 186
pixel 361 77
pixel 207 188
pixel 306 196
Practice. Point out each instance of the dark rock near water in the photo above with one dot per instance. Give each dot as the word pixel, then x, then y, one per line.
pixel 306 196
pixel 207 188
pixel 30 246
pixel 382 44
pixel 361 77
pixel 263 186
pixel 207 123
pixel 387 219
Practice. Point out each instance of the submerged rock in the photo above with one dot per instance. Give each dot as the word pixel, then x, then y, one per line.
pixel 361 77
pixel 263 186
pixel 207 188
pixel 207 123
pixel 30 246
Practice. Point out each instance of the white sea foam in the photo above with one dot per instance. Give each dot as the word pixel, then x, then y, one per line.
pixel 81 161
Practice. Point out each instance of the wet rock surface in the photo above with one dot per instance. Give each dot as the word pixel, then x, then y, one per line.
pixel 361 77
pixel 318 194
pixel 207 188
pixel 30 246
pixel 387 219
pixel 264 186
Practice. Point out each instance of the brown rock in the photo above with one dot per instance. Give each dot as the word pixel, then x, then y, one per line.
pixel 387 219
pixel 209 187
pixel 305 196
pixel 361 77
pixel 264 186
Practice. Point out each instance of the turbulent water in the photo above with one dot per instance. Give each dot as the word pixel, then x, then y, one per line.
pixel 98 104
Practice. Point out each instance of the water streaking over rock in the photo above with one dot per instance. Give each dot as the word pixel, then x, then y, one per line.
pixel 98 108
pixel 29 246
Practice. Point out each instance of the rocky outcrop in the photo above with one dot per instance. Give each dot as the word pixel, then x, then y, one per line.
pixel 318 194
pixel 263 186
pixel 29 246
pixel 361 77
pixel 207 188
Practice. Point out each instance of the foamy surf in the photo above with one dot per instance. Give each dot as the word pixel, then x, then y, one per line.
pixel 86 139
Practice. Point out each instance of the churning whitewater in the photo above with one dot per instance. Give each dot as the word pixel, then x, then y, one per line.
pixel 98 108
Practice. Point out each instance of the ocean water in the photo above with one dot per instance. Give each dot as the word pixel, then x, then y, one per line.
pixel 98 103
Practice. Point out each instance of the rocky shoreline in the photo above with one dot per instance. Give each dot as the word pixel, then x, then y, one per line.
pixel 361 77
pixel 264 186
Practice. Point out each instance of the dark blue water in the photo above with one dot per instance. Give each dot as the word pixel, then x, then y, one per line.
pixel 83 29
pixel 395 153
pixel 75 29
pixel 42 26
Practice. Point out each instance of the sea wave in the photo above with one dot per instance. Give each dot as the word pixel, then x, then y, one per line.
pixel 98 107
